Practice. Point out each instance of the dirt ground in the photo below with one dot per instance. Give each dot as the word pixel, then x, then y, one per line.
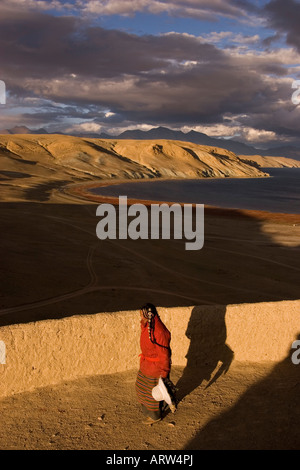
pixel 53 265
pixel 253 406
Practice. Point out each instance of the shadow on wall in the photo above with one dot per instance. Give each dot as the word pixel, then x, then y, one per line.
pixel 207 350
pixel 266 417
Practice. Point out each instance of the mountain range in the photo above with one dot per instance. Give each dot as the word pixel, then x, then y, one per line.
pixel 194 137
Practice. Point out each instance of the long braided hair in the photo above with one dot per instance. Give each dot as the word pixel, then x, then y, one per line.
pixel 149 312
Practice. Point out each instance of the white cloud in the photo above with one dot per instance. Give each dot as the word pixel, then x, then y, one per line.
pixel 202 9
pixel 229 36
pixel 90 127
pixel 247 134
pixel 109 114
pixel 129 127
pixel 258 135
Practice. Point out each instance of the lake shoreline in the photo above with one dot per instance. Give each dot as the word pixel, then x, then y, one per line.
pixel 83 192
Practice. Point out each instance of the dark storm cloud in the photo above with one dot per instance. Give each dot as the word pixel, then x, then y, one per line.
pixel 284 16
pixel 33 44
pixel 203 95
pixel 38 45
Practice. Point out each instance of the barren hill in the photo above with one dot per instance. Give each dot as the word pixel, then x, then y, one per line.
pixel 28 162
pixel 272 162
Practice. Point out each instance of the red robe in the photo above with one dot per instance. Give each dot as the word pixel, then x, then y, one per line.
pixel 155 360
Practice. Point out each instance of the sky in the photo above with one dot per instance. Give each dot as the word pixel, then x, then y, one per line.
pixel 223 67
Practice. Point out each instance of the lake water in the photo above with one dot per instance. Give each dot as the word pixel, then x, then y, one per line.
pixel 279 193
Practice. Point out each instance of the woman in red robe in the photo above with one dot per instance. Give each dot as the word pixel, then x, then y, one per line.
pixel 155 361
